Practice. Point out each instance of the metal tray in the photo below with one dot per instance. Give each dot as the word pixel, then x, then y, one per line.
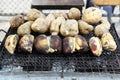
pixel 77 62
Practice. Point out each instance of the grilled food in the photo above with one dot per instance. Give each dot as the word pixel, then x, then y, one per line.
pixel 102 28
pixel 16 21
pixel 69 45
pixel 48 44
pixel 95 46
pixel 69 28
pixel 75 44
pixel 33 14
pixel 106 23
pixel 74 13
pixel 26 43
pixel 92 15
pixel 108 42
pixel 60 14
pixel 49 19
pixel 25 28
pixel 40 25
pixel 55 25
pixel 84 27
pixel 11 42
pixel 81 44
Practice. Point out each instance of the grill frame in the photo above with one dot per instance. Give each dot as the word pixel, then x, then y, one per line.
pixel 77 62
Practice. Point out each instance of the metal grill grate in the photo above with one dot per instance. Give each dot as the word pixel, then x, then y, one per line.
pixel 77 62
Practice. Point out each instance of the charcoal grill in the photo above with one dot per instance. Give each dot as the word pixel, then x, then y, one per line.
pixel 77 62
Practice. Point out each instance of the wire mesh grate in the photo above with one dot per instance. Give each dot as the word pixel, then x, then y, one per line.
pixel 77 62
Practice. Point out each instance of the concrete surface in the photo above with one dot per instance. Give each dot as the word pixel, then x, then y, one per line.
pixel 56 76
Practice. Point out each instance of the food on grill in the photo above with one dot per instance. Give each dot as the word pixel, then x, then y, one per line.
pixel 100 29
pixel 55 25
pixel 41 44
pixel 25 28
pixel 84 27
pixel 26 43
pixel 60 14
pixel 106 23
pixel 81 44
pixel 11 42
pixel 16 21
pixel 55 44
pixel 59 22
pixel 40 25
pixel 92 15
pixel 75 44
pixel 108 42
pixel 48 44
pixel 74 13
pixel 69 28
pixel 50 18
pixel 33 14
pixel 69 45
pixel 95 46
